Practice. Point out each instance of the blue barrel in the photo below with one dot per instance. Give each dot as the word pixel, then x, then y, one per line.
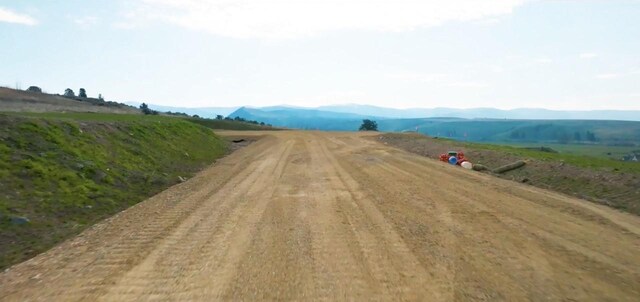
pixel 453 160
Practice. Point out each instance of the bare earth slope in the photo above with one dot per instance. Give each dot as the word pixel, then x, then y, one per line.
pixel 335 216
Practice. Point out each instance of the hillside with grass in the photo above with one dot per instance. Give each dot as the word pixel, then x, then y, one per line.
pixel 12 100
pixel 228 124
pixel 60 173
pixel 588 176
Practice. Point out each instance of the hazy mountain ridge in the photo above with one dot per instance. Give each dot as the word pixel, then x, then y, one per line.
pixel 486 112
pixel 369 111
pixel 476 129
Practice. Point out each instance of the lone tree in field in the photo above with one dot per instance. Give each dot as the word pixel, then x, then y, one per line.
pixel 69 93
pixel 368 125
pixel 82 93
pixel 145 109
pixel 219 117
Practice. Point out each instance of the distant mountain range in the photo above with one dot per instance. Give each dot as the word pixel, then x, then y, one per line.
pixel 492 113
pixel 477 124
pixel 484 125
pixel 359 111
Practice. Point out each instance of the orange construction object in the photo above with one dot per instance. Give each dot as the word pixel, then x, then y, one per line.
pixel 458 154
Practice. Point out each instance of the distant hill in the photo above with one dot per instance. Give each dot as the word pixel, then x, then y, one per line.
pixel 302 118
pixel 482 130
pixel 493 113
pixel 208 112
pixel 493 130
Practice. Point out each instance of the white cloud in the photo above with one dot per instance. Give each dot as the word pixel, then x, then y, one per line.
pixel 440 79
pixel 86 21
pixel 544 61
pixel 617 75
pixel 287 19
pixel 418 77
pixel 469 84
pixel 9 16
pixel 605 76
pixel 587 55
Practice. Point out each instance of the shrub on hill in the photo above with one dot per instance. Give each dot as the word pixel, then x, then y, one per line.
pixel 34 89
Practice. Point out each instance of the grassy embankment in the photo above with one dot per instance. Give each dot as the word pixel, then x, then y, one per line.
pixel 595 178
pixel 229 125
pixel 64 172
pixel 593 150
pixel 585 156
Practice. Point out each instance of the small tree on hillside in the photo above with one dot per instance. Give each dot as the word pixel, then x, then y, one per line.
pixel 82 93
pixel 69 93
pixel 219 117
pixel 145 108
pixel 368 125
pixel 34 89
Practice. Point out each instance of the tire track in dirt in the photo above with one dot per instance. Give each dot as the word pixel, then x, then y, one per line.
pixel 509 229
pixel 189 255
pixel 391 262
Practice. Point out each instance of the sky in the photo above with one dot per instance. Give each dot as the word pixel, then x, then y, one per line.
pixel 566 55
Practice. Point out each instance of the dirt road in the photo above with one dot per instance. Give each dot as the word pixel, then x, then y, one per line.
pixel 338 216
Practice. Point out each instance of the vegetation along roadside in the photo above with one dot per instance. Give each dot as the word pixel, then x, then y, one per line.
pixel 60 173
pixel 610 182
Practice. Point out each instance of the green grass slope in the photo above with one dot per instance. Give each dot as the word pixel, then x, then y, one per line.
pixel 228 124
pixel 64 172
pixel 610 182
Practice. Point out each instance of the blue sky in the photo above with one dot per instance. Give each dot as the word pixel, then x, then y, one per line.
pixel 461 53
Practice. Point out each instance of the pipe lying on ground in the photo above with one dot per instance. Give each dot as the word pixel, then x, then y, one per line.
pixel 509 167
pixel 479 167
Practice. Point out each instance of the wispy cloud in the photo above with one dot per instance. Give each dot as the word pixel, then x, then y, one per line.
pixel 441 79
pixel 606 76
pixel 587 55
pixel 86 21
pixel 287 19
pixel 418 77
pixel 10 16
pixel 469 84
pixel 614 75
pixel 543 60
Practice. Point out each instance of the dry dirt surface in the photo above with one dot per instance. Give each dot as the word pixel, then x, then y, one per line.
pixel 336 216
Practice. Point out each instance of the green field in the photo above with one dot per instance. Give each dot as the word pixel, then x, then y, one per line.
pixel 64 172
pixel 596 178
pixel 593 150
pixel 572 154
pixel 229 124
pixel 113 117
